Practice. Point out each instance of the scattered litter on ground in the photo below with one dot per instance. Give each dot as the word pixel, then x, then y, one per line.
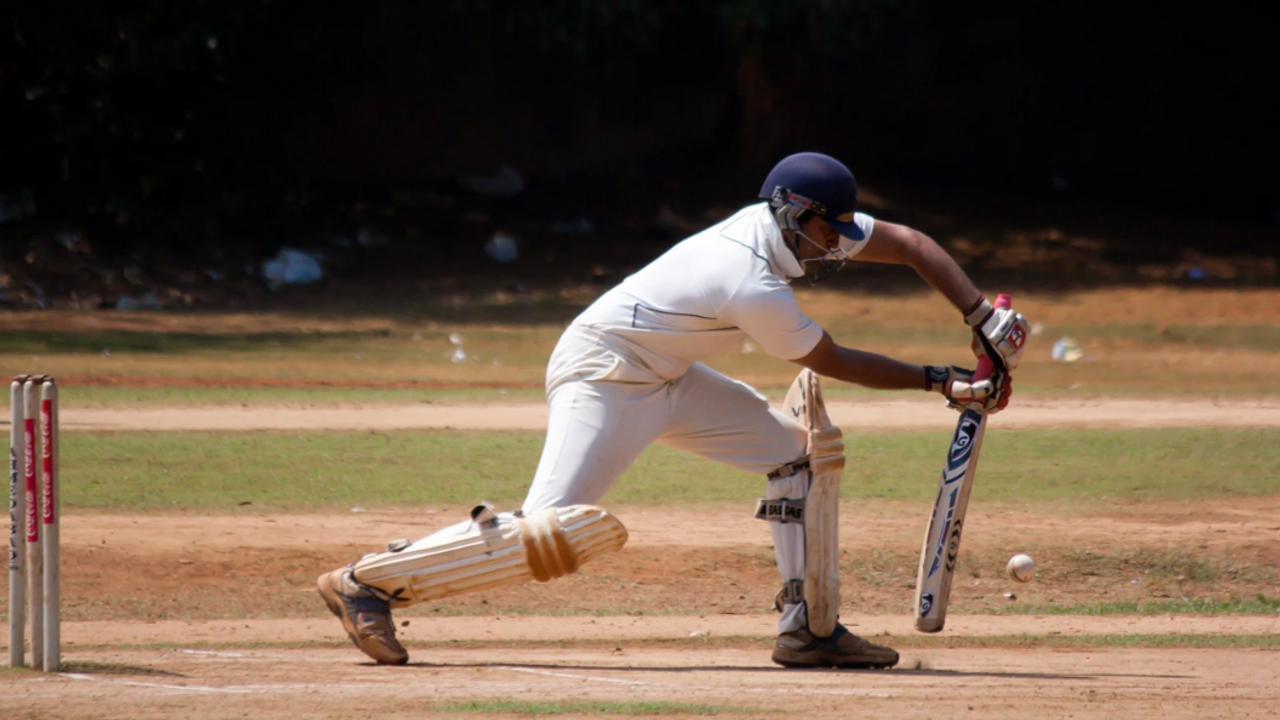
pixel 502 247
pixel 147 302
pixel 1067 349
pixel 292 267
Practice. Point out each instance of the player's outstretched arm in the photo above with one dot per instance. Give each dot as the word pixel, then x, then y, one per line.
pixel 884 373
pixel 901 245
pixel 863 368
pixel 999 332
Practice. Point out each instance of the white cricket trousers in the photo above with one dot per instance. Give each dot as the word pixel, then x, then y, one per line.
pixel 598 425
pixel 604 412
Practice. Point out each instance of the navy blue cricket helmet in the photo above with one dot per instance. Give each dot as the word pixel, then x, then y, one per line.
pixel 819 183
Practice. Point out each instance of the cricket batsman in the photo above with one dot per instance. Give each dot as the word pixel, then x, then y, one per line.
pixel 627 373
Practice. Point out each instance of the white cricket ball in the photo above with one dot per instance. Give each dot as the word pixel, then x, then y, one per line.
pixel 1021 568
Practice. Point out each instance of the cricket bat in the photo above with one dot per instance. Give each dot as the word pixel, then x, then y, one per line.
pixel 946 523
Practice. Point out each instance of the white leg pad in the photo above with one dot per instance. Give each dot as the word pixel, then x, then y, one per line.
pixel 788 547
pixel 822 530
pixel 820 568
pixel 492 551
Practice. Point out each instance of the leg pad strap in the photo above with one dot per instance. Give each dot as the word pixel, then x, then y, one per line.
pixel 780 510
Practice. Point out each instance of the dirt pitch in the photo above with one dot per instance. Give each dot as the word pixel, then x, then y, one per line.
pixel 986 683
pixel 214 617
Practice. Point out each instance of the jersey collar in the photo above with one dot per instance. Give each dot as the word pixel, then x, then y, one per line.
pixel 782 261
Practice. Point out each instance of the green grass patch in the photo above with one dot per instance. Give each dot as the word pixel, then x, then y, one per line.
pixel 284 471
pixel 1037 465
pixel 589 707
pixel 123 397
pixel 303 471
pixel 90 667
pixel 1264 338
pixel 116 398
pixel 144 342
pixel 243 353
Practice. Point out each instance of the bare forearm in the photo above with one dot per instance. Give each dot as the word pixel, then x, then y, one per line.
pixel 940 270
pixel 866 369
pixel 901 245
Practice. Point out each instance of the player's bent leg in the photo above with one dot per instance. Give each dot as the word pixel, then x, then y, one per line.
pixel 491 550
pixel 787 506
pixel 595 431
pixel 784 507
pixel 803 504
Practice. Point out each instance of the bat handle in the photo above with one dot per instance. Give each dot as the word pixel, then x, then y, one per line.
pixel 985 365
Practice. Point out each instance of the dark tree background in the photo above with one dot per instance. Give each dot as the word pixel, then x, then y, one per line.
pixel 182 136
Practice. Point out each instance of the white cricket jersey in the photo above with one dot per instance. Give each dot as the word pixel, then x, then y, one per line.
pixel 702 297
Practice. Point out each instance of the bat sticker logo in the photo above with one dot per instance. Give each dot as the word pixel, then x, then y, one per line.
pixel 953 546
pixel 962 443
pixel 926 603
pixel 943 546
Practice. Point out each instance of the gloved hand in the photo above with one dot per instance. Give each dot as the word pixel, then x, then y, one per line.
pixel 998 333
pixel 962 391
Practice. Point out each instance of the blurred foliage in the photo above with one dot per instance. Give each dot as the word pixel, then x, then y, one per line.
pixel 120 109
pixel 170 127
pixel 164 116
pixel 587 26
pixel 832 26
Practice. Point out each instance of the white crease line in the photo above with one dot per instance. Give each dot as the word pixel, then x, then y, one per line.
pixel 712 688
pixel 213 653
pixel 532 671
pixel 160 686
pixel 279 688
pixel 260 656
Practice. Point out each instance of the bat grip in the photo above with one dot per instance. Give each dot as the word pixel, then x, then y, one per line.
pixel 985 364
